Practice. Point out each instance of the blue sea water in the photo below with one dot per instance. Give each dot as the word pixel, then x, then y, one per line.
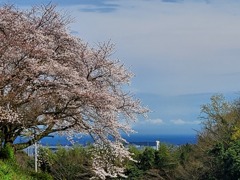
pixel 150 140
pixel 136 139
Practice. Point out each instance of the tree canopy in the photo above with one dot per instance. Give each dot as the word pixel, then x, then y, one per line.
pixel 53 82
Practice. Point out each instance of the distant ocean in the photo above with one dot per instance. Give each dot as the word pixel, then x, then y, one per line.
pixel 150 140
pixel 136 139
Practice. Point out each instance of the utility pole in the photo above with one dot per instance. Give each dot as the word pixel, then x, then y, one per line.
pixel 36 155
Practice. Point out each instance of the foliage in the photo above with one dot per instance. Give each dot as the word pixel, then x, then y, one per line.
pixel 232 159
pixel 40 176
pixel 147 158
pixel 53 82
pixel 183 153
pixel 73 163
pixel 45 159
pixel 134 172
pixel 11 171
pixel 164 157
pixel 216 154
pixel 151 163
pixel 7 152
pixel 227 160
pixel 219 139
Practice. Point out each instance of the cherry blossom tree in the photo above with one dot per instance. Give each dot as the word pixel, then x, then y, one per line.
pixel 53 82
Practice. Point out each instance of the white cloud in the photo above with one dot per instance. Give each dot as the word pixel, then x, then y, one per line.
pixel 159 121
pixel 183 122
pixel 175 121
pixel 156 121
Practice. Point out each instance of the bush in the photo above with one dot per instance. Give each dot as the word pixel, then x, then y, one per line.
pixel 74 163
pixel 10 171
pixel 41 176
pixel 7 153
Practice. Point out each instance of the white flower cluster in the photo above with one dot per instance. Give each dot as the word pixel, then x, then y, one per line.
pixel 108 160
pixel 9 116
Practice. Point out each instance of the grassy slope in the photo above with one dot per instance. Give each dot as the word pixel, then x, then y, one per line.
pixel 12 172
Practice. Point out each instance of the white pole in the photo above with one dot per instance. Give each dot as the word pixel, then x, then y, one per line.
pixel 35 156
pixel 157 144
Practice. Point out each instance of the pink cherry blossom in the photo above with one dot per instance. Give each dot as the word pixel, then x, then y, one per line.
pixel 53 82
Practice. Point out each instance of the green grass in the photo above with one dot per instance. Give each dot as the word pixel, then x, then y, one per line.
pixel 11 171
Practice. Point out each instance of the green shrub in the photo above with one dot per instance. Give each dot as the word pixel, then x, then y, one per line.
pixel 10 171
pixel 41 176
pixel 7 152
pixel 74 163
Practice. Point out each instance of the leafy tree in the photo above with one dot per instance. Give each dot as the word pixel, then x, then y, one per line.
pixel 232 161
pixel 74 163
pixel 147 159
pixel 53 82
pixel 216 154
pixel 227 159
pixel 183 152
pixel 166 160
pixel 219 119
pixel 133 170
pixel 135 152
pixel 7 152
pixel 45 159
pixel 162 156
pixel 151 163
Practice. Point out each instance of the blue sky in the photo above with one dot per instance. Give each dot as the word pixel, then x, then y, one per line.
pixel 181 51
